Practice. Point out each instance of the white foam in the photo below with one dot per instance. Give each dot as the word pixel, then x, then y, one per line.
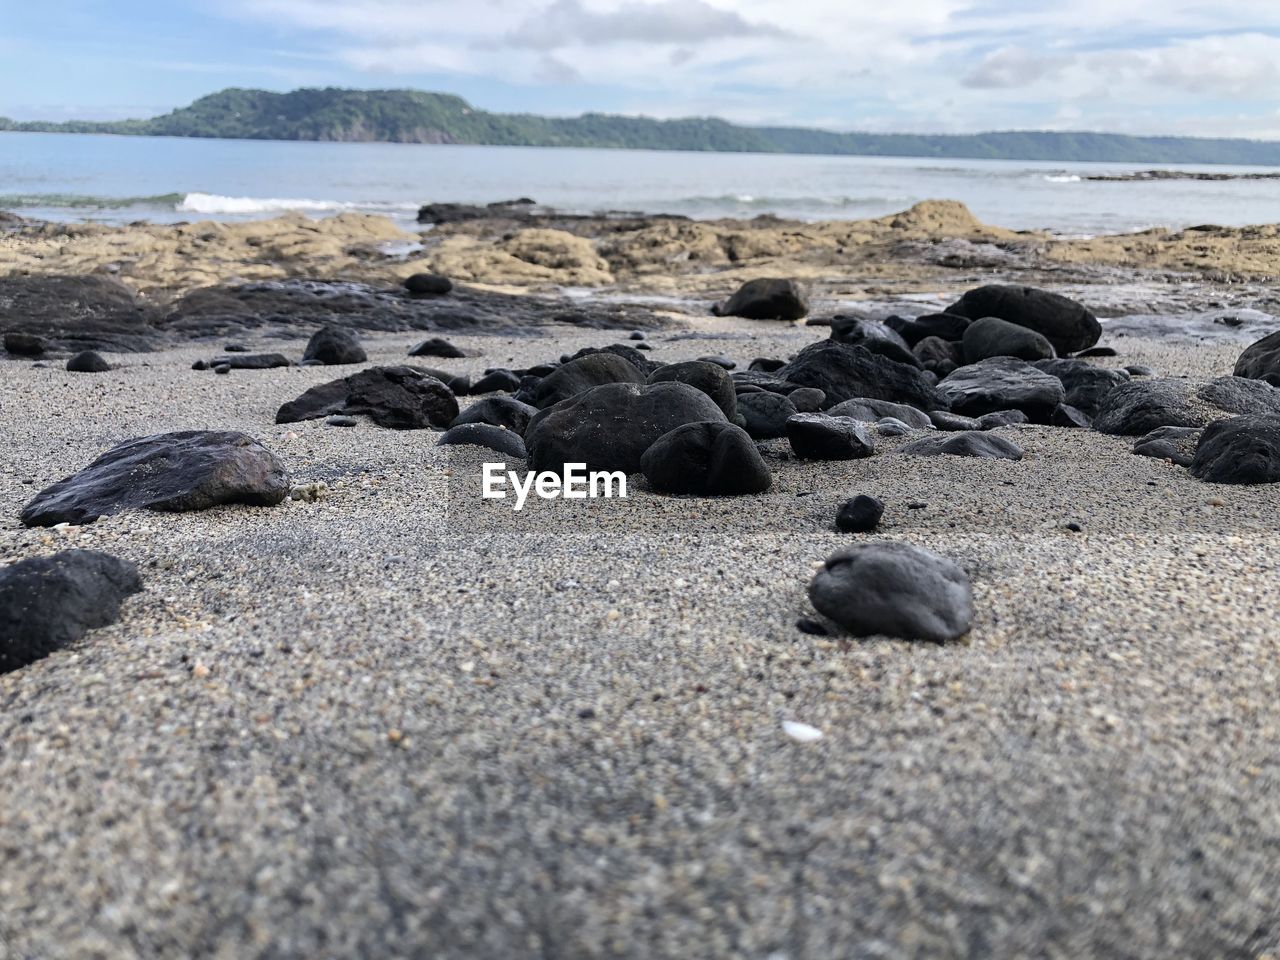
pixel 214 203
pixel 1062 177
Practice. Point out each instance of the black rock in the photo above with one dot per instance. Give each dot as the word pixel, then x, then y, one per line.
pixel 611 426
pixel 894 589
pixel 812 627
pixel 765 414
pixel 402 398
pixel 1001 418
pixel 807 399
pixel 235 348
pixel 628 353
pixel 1170 443
pixel 966 443
pixel 1241 395
pixel 77 313
pixel 583 373
pixel 993 337
pixel 49 602
pixel 496 381
pixel 504 441
pixel 222 368
pixel 1261 360
pixel 1239 450
pixel 758 380
pixel 1065 415
pixel 874 336
pixel 438 213
pixel 25 344
pixel 1063 322
pixel 342 421
pixel 498 411
pixel 766 364
pixel 819 436
pixel 188 470
pixel 703 375
pixel 436 347
pixel 944 326
pixel 861 408
pixel 710 458
pixel 951 422
pixel 88 361
pixel 844 372
pixel 892 427
pixel 765 299
pixel 727 363
pixel 249 361
pixel 333 346
pixel 636 335
pixel 1002 383
pixel 1098 352
pixel 1137 408
pixel 940 356
pixel 1085 384
pixel 1139 370
pixel 860 515
pixel 428 284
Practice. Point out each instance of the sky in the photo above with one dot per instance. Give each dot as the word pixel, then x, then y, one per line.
pixel 937 66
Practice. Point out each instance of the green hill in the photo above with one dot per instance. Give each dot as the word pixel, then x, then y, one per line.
pixel 411 116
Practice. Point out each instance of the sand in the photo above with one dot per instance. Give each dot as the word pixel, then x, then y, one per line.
pixel 396 721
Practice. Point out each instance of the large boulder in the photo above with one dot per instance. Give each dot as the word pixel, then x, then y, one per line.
pixel 710 378
pixel 894 589
pixel 77 313
pixel 609 427
pixel 874 336
pixel 333 346
pixel 765 414
pixel 1002 383
pixel 188 470
pixel 1138 407
pixel 1239 450
pixel 1261 360
pixel 710 458
pixel 1084 383
pixel 583 373
pixel 993 337
pixel 1066 324
pixel 765 299
pixel 402 398
pixel 844 372
pixel 25 344
pixel 49 602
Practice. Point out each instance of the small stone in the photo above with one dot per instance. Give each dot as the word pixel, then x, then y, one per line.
pixel 860 514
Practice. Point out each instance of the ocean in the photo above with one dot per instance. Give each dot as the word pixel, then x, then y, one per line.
pixel 114 179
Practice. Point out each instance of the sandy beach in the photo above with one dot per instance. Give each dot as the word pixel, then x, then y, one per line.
pixel 390 719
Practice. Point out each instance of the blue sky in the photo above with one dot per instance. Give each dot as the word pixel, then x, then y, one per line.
pixel 1141 66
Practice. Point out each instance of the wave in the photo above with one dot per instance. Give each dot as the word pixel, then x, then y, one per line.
pixel 751 200
pixel 214 203
pixel 1062 177
pixel 13 201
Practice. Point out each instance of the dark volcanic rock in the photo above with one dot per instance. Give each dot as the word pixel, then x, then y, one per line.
pixel 765 299
pixel 952 422
pixel 495 381
pixel 1065 415
pixel 1084 383
pixel 403 398
pixel 1001 418
pixel 758 380
pixel 1063 322
pixel 88 361
pixel 583 373
pixel 332 347
pixel 428 284
pixel 861 408
pixel 1242 395
pixel 765 414
pixel 860 515
pixel 627 353
pixel 874 336
pixel 504 441
pixel 967 443
pixel 1137 408
pixel 766 364
pixel 720 360
pixel 1170 443
pixel 49 602
pixel 940 356
pixel 1261 360
pixel 807 399
pixel 437 347
pixel 1002 383
pixel 993 337
pixel 499 411
pixel 438 213
pixel 944 326
pixel 611 426
pixel 894 589
pixel 707 459
pixel 77 313
pixel 845 372
pixel 1239 450
pixel 708 377
pixel 818 436
pixel 188 470
pixel 25 344
pixel 1098 352
pixel 247 361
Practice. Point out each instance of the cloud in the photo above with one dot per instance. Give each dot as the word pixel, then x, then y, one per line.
pixel 567 23
pixel 1013 67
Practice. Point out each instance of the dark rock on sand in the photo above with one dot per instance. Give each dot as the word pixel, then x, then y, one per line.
pixel 874 336
pixel 894 589
pixel 1001 418
pixel 1261 360
pixel 496 381
pixel 1241 395
pixel 1002 383
pixel 1170 443
pixel 627 353
pixel 993 337
pixel 333 346
pixel 1139 407
pixel 967 443
pixel 766 364
pixel 504 441
pixel 609 427
pixel 1065 415
pixel 583 373
pixel 1085 384
pixel 402 398
pixel 342 421
pixel 892 427
pixel 765 299
pixel 944 326
pixel 1066 324
pixel 436 347
pixel 862 408
pixel 1239 450
pixel 77 313
pixel 861 514
pixel 1098 352
pixel 703 375
pixel 720 360
pixel 765 414
pixel 845 372
pixel 88 361
pixel 940 356
pixel 745 380
pixel 25 344
pixel 188 470
pixel 498 411
pixel 249 361
pixel 1139 370
pixel 428 284
pixel 807 399
pixel 819 436
pixel 49 602
pixel 711 458
pixel 951 422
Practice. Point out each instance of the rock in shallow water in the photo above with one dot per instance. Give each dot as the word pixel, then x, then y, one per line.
pixel 1239 450
pixel 894 589
pixel 402 398
pixel 712 458
pixel 49 602
pixel 187 470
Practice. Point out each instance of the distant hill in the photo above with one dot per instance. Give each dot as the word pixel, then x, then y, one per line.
pixel 411 116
